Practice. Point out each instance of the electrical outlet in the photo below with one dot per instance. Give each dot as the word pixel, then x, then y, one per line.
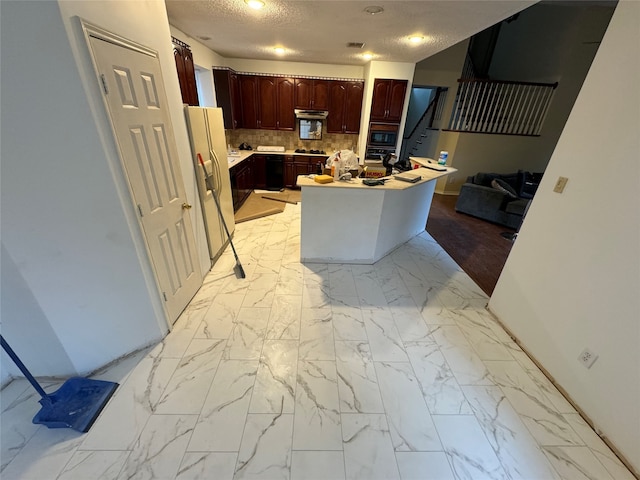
pixel 560 184
pixel 587 358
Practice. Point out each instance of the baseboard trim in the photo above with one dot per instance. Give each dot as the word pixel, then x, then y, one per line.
pixel 564 393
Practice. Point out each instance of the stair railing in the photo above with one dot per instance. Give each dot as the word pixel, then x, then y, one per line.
pixel 501 107
pixel 431 116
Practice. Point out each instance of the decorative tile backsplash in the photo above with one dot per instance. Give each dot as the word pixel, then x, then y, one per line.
pixel 330 142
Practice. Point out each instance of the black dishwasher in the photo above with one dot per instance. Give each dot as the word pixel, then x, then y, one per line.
pixel 275 172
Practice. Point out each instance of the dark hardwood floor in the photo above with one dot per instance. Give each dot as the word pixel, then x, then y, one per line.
pixel 476 245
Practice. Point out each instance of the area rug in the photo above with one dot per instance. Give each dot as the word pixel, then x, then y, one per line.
pixel 286 195
pixel 256 207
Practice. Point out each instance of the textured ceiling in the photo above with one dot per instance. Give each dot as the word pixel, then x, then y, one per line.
pixel 317 31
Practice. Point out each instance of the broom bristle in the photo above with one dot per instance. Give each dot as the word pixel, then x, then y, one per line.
pixel 239 271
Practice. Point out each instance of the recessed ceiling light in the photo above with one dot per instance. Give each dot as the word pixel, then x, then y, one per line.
pixel 255 4
pixel 367 56
pixel 374 10
pixel 279 50
pixel 415 39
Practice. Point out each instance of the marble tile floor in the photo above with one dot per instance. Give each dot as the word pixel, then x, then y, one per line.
pixel 389 371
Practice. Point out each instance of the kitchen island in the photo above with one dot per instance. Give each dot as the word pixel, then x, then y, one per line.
pixel 349 222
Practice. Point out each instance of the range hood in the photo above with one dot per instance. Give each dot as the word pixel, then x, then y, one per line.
pixel 311 114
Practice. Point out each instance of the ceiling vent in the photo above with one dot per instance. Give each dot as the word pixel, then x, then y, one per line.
pixel 355 44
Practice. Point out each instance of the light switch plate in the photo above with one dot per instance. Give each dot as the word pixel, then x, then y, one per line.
pixel 560 184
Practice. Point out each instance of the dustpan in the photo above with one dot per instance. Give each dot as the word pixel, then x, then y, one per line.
pixel 76 404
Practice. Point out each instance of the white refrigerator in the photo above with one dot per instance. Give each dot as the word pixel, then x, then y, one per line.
pixel 206 133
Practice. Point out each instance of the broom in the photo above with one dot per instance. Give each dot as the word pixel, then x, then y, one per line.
pixel 239 271
pixel 76 404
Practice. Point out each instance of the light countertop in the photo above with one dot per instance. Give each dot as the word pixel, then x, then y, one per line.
pixel 391 184
pixel 244 154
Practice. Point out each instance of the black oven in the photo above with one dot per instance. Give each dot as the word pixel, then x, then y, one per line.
pixel 382 135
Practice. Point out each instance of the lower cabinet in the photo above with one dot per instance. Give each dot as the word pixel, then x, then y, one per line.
pixel 241 176
pixel 269 172
pixel 259 170
pixel 295 165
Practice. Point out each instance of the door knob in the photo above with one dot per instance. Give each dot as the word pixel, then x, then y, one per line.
pixel 186 206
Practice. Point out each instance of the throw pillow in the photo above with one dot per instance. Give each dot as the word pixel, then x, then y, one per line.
pixel 504 187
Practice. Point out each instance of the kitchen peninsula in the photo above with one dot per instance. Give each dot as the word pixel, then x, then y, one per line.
pixel 349 222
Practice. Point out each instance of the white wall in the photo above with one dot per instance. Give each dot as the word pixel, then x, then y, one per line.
pixel 443 70
pixel 376 69
pixel 68 222
pixel 145 22
pixel 573 276
pixel 419 100
pixel 64 226
pixel 27 323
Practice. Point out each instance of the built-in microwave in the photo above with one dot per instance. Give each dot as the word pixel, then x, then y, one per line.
pixel 382 135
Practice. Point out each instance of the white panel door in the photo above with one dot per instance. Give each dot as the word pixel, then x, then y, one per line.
pixel 136 99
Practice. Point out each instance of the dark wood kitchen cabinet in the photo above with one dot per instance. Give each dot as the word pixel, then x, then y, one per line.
pixel 275 97
pixel 186 72
pixel 249 100
pixel 345 106
pixel 295 165
pixel 388 100
pixel 268 103
pixel 285 90
pixel 228 97
pixel 259 170
pixel 311 94
pixel 241 176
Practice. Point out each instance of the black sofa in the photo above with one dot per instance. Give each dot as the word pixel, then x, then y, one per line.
pixel 498 198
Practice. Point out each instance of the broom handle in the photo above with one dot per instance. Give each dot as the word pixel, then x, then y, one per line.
pixel 207 180
pixel 24 370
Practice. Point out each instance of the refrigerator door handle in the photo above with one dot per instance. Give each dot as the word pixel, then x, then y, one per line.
pixel 215 170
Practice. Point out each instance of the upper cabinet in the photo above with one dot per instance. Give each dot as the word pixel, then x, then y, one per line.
pixel 275 96
pixel 267 96
pixel 285 89
pixel 388 100
pixel 186 72
pixel 249 100
pixel 268 102
pixel 345 105
pixel 228 97
pixel 311 94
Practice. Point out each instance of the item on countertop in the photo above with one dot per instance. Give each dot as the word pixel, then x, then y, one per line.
pixel 245 146
pixel 323 179
pixel 374 172
pixel 409 177
pixel 335 167
pixel 442 159
pixel 388 161
pixel 232 152
pixel 345 176
pixel 349 159
pixel 372 182
pixel 437 168
pixel 319 168
pixel 271 148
